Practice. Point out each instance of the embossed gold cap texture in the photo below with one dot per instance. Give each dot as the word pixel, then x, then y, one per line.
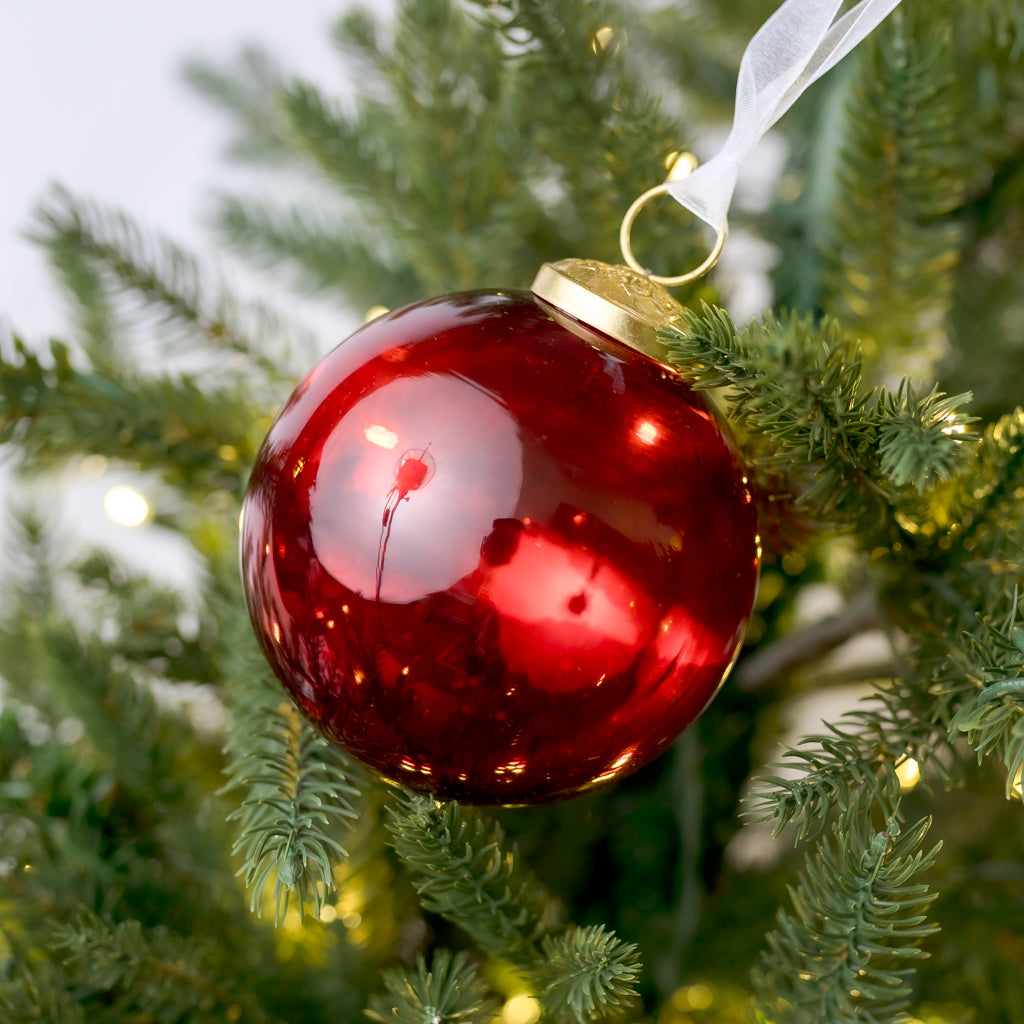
pixel 615 300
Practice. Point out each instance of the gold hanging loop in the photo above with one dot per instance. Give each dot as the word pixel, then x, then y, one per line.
pixel 684 165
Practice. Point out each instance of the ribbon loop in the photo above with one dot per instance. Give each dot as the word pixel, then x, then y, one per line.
pixel 793 48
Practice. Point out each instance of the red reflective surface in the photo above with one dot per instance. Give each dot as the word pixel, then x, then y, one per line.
pixel 495 559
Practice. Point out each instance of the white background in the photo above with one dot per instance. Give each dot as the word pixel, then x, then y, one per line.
pixel 91 96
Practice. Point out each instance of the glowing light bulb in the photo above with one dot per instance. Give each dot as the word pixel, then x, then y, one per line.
pixel 602 37
pixel 522 1008
pixel 125 506
pixel 909 773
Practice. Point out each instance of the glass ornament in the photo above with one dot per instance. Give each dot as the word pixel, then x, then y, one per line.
pixel 496 553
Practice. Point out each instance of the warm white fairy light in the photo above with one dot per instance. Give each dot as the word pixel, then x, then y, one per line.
pixel 125 506
pixel 522 1008
pixel 909 773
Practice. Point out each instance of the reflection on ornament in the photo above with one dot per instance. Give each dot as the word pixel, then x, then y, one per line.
pixel 358 533
pixel 380 436
pixel 646 432
pixel 567 617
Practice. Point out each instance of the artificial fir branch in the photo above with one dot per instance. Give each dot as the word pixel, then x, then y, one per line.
pixel 441 74
pixel 992 716
pixel 298 797
pixel 914 435
pixel 37 995
pixel 901 174
pixel 464 869
pixel 109 254
pixel 200 438
pixel 329 254
pixel 857 917
pixel 982 516
pixel 449 992
pixel 153 974
pixel 249 91
pixel 796 391
pixel 587 974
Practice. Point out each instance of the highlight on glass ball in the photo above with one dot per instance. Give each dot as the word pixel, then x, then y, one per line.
pixel 495 554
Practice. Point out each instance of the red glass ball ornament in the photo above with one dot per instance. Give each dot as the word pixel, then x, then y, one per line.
pixel 498 559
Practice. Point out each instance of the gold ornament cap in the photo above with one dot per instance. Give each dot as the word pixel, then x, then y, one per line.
pixel 615 300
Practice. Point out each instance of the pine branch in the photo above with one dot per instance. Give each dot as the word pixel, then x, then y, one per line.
pixel 450 992
pixel 108 253
pixel 122 970
pixel 914 436
pixel 299 792
pixel 902 173
pixel 992 715
pixel 37 996
pixel 200 439
pixel 797 394
pixel 858 916
pixel 982 515
pixel 464 870
pixel 855 759
pixel 328 256
pixel 588 974
pixel 249 91
pixel 1007 25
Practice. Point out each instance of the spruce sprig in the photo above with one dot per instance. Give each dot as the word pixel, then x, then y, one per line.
pixel 901 174
pixel 464 870
pixel 858 914
pixel 450 991
pixel 200 439
pixel 123 971
pixel 30 995
pixel 587 974
pixel 796 392
pixel 991 717
pixel 103 255
pixel 298 798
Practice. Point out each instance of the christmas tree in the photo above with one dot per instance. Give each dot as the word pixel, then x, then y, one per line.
pixel 179 844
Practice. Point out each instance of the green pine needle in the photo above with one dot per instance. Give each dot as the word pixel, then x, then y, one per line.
pixel 103 254
pixel 128 972
pixel 465 871
pixel 842 954
pixel 298 796
pixel 921 440
pixel 992 716
pixel 795 391
pixel 449 992
pixel 588 974
pixel 902 172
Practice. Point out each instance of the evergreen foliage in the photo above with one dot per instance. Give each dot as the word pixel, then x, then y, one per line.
pixel 477 140
pixel 298 798
pixel 858 915
pixel 449 991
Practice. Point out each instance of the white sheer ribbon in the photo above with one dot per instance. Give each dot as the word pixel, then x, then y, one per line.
pixel 793 48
